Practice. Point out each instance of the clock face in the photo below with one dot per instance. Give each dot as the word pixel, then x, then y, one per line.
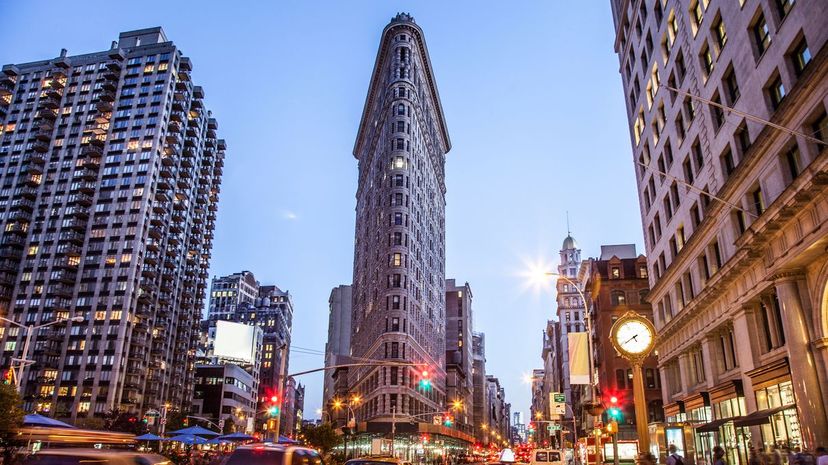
pixel 634 337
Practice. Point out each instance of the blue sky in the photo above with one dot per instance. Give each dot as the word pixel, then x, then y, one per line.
pixel 534 108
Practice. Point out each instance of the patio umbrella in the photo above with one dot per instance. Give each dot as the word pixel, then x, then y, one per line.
pixel 237 437
pixel 196 431
pixel 39 420
pixel 287 440
pixel 149 437
pixel 219 441
pixel 188 439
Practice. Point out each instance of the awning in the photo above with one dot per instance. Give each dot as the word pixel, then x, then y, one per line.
pixel 714 425
pixel 761 417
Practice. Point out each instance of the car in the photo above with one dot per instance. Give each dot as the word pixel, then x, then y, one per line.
pixel 377 460
pixel 273 454
pixel 80 456
pixel 545 457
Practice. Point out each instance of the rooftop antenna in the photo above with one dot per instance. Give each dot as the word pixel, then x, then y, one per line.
pixel 568 232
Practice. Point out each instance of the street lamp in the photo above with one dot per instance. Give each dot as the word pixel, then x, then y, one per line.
pixel 29 329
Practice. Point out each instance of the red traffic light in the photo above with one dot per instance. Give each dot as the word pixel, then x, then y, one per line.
pixel 425 373
pixel 274 399
pixel 613 400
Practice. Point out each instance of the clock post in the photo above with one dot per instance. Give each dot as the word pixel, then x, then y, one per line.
pixel 633 336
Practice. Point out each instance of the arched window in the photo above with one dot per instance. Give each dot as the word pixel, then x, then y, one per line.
pixel 619 298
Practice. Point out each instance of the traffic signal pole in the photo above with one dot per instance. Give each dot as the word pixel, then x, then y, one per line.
pixel 280 391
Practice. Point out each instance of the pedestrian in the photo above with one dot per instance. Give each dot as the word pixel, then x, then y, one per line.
pixel 754 458
pixel 821 456
pixel 674 458
pixel 718 456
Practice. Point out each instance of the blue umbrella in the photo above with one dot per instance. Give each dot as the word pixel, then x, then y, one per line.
pixel 196 431
pixel 219 441
pixel 188 439
pixel 39 420
pixel 237 437
pixel 287 440
pixel 149 437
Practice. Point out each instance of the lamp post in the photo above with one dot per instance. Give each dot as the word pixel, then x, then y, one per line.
pixel 350 421
pixel 24 356
pixel 588 321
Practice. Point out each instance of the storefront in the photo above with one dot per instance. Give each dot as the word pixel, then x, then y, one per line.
pixel 776 417
pixel 727 402
pixel 675 431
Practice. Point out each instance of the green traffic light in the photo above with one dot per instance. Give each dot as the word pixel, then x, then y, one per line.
pixel 273 411
pixel 425 383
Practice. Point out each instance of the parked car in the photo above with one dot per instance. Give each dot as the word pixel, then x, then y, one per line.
pixel 93 457
pixel 273 454
pixel 377 460
pixel 545 457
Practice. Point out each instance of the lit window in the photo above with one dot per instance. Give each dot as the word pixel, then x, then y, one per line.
pixel 761 34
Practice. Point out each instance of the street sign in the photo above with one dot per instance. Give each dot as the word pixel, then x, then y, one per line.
pixel 554 427
pixel 557 403
pixel 438 420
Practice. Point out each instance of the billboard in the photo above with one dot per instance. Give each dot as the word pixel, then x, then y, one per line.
pixel 235 340
pixel 578 358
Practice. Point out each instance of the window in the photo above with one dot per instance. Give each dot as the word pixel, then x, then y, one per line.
pixel 707 60
pixel 758 202
pixel 717 112
pixel 791 162
pixel 690 108
pixel 727 162
pixel 704 267
pixel 681 69
pixel 776 91
pixel 697 13
pixel 819 128
pixel 688 171
pixel 783 7
pixel 739 218
pixel 732 86
pixel 717 255
pixel 719 32
pixel 761 34
pixel 616 272
pixel 743 137
pixel 668 209
pixel 695 216
pixel 618 298
pixel 801 57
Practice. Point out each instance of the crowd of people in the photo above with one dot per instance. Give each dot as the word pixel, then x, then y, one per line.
pixel 773 456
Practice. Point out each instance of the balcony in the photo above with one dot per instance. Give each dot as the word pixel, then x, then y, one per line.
pixel 49 101
pixel 104 107
pixel 148 272
pixel 41 145
pixel 45 134
pixel 173 137
pixel 78 211
pixel 23 204
pixel 78 224
pixel 174 126
pixel 9 266
pixel 71 250
pixel 61 290
pixel 155 233
pixel 86 187
pixel 11 253
pixel 47 114
pixel 6 87
pixel 87 174
pixel 36 158
pixel 106 96
pixel 97 140
pixel 33 180
pixel 152 244
pixel 72 236
pixel 17 228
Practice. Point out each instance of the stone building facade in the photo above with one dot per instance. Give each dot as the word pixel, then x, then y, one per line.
pixel 614 284
pixel 570 312
pixel 459 364
pixel 734 212
pixel 112 173
pixel 399 251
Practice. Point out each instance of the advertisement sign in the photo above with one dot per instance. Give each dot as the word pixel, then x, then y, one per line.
pixel 578 357
pixel 557 403
pixel 235 340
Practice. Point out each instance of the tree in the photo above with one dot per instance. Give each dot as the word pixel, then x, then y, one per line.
pixel 229 426
pixel 175 420
pixel 10 421
pixel 321 437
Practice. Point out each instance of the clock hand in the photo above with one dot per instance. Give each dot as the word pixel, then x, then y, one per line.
pixel 635 336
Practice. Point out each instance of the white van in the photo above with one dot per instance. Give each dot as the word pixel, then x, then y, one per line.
pixel 545 457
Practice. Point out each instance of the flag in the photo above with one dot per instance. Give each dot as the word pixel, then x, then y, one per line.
pixel 578 358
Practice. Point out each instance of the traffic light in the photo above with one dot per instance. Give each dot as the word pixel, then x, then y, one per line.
pixel 614 410
pixel 448 420
pixel 531 427
pixel 274 399
pixel 273 411
pixel 273 407
pixel 186 422
pixel 612 427
pixel 425 381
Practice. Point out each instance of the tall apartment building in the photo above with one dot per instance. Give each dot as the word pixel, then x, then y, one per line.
pixel 459 364
pixel 499 422
pixel 228 292
pixel 615 283
pixel 738 269
pixel 399 252
pixel 110 189
pixel 338 345
pixel 570 311
pixel 480 404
